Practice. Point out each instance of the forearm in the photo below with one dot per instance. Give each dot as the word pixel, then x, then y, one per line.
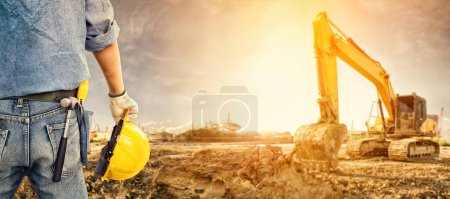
pixel 109 61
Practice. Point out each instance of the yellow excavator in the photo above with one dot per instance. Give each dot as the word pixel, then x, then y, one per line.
pixel 399 133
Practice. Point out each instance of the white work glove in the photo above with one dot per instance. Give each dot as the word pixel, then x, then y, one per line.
pixel 119 104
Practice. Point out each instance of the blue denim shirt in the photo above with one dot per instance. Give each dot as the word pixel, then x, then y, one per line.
pixel 43 43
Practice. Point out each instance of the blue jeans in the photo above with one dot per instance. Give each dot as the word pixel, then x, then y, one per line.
pixel 30 132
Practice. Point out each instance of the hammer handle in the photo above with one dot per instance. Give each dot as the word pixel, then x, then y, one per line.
pixel 59 162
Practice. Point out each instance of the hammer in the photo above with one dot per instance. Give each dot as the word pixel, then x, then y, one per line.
pixel 70 103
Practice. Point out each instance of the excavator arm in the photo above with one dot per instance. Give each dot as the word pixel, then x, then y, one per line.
pixel 330 45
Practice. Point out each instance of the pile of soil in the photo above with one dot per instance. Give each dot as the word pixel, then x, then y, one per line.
pixel 255 172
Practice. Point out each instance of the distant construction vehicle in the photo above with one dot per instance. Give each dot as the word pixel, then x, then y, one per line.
pixel 400 133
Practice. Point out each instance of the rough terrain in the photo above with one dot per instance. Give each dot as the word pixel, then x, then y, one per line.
pixel 248 170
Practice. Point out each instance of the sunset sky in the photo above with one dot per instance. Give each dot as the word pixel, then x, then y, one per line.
pixel 171 49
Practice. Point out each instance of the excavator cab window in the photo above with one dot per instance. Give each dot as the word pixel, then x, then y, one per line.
pixel 405 114
pixel 420 110
pixel 411 112
pixel 405 104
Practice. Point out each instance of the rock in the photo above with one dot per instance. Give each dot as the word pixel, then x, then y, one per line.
pixel 199 190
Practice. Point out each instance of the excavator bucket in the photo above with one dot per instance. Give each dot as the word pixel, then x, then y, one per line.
pixel 317 145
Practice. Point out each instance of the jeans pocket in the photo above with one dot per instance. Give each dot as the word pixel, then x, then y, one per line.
pixel 72 161
pixel 3 137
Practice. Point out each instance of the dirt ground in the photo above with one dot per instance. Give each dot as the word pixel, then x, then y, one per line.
pixel 249 170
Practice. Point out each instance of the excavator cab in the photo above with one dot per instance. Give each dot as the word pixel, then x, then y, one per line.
pixel 410 117
pixel 411 114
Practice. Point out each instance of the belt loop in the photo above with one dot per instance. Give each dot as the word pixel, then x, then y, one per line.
pixel 19 103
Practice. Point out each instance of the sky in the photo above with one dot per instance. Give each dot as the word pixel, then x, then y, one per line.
pixel 172 49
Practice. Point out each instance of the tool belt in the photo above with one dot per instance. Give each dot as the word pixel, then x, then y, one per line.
pixel 52 96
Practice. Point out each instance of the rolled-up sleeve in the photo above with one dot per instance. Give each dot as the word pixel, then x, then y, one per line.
pixel 102 29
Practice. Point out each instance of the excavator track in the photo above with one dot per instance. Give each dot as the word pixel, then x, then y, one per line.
pixel 367 147
pixel 412 149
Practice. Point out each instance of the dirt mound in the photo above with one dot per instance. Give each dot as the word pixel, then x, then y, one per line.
pixel 257 172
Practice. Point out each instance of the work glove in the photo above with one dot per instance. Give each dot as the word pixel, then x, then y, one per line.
pixel 119 105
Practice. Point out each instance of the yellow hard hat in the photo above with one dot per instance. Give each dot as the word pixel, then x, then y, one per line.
pixel 125 154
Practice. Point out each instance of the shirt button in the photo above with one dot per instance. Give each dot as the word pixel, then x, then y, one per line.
pixel 27 120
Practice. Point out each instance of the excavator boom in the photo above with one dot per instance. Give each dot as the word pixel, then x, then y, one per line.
pixel 328 47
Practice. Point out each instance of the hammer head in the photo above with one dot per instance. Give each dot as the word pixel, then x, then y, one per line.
pixel 70 102
pixel 74 101
pixel 65 102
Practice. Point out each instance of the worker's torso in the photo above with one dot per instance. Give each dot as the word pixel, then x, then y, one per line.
pixel 42 46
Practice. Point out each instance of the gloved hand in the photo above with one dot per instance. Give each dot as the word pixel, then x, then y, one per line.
pixel 119 104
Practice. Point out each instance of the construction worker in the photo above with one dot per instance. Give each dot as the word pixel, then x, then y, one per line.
pixel 42 60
